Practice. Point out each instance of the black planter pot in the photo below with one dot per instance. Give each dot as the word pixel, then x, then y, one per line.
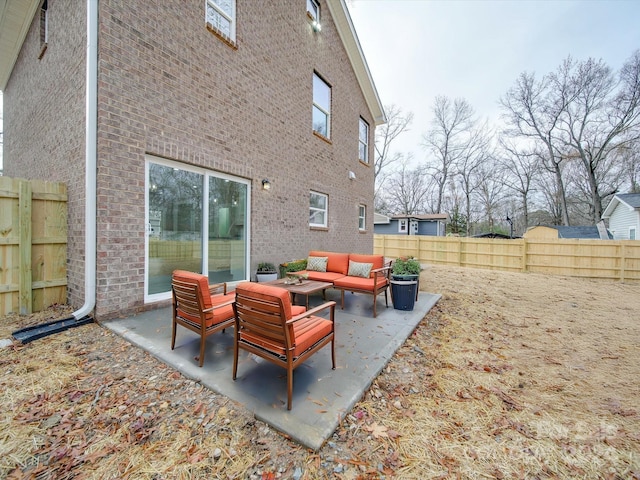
pixel 404 290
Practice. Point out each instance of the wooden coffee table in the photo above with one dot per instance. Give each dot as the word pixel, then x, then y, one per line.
pixel 306 287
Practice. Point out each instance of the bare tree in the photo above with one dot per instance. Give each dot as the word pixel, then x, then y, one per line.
pixel 470 162
pixel 447 139
pixel 629 158
pixel 533 111
pixel 520 167
pixel 398 122
pixel 600 119
pixel 407 190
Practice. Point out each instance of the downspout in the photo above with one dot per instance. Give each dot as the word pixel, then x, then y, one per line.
pixel 91 140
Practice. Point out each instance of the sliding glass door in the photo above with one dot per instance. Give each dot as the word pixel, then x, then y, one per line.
pixel 179 199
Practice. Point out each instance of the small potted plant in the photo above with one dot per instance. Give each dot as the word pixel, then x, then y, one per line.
pixel 405 275
pixel 405 268
pixel 266 272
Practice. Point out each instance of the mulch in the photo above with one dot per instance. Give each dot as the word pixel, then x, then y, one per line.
pixel 453 402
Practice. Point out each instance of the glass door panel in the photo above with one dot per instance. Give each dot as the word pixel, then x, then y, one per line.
pixel 175 224
pixel 227 248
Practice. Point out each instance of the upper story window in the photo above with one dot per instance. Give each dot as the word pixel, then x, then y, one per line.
pixel 44 28
pixel 362 217
pixel 313 12
pixel 632 233
pixel 318 209
pixel 363 141
pixel 321 107
pixel 221 15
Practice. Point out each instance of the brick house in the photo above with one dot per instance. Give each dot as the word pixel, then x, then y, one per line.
pixel 206 135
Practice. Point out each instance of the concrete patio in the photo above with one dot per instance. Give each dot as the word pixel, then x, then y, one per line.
pixel 321 396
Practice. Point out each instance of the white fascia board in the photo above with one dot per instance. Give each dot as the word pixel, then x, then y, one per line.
pixel 347 32
pixel 15 19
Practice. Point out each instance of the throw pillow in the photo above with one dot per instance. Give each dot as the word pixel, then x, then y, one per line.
pixel 317 264
pixel 357 269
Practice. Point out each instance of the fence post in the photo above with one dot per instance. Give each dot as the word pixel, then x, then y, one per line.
pixel 24 206
pixel 524 255
pixel 622 261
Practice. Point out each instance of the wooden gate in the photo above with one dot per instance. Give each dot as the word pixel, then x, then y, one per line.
pixel 33 245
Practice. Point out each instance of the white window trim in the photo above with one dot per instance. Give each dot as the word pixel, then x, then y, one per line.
pixel 231 19
pixel 362 217
pixel 327 113
pixel 635 233
pixel 314 13
pixel 402 225
pixel 325 210
pixel 365 142
pixel 149 159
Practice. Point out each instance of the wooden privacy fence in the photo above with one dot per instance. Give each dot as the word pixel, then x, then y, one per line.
pixel 33 245
pixel 609 259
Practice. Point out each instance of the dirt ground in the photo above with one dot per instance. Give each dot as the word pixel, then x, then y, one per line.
pixel 509 376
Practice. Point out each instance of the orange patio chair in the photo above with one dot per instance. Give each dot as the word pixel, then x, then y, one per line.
pixel 200 307
pixel 266 327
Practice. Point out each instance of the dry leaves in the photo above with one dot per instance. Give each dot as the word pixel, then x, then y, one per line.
pixel 509 376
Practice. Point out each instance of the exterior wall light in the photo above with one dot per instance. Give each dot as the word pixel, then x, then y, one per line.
pixel 316 26
pixel 266 185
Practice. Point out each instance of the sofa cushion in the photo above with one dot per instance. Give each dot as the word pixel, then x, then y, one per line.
pixel 337 262
pixel 359 283
pixel 320 276
pixel 317 264
pixel 376 260
pixel 357 269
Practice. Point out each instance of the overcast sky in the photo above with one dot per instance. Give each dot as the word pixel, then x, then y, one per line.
pixel 475 49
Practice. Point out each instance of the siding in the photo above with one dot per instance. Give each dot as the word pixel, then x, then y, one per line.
pixel 621 219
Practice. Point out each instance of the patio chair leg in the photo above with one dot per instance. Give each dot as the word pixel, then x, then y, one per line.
pixel 202 350
pixel 333 354
pixel 235 359
pixel 289 387
pixel 342 299
pixel 173 335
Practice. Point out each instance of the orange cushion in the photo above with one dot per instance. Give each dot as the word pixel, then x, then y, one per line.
pixel 359 283
pixel 336 263
pixel 321 276
pixel 218 314
pixel 267 292
pixel 305 333
pixel 191 277
pixel 376 260
pixel 297 310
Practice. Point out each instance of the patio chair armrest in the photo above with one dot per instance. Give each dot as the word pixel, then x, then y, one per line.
pixel 218 288
pixel 231 301
pixel 314 310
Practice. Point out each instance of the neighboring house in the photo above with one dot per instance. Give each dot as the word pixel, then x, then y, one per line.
pixel 429 224
pixel 542 232
pixel 192 134
pixel 623 214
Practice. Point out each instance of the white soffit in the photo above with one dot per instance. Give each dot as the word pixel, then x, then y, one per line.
pixel 15 20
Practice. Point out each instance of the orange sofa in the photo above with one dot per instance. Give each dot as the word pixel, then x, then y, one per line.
pixel 351 272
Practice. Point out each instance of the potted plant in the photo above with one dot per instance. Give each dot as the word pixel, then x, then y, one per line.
pixel 266 272
pixel 405 276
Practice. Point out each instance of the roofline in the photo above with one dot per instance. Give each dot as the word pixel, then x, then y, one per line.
pixel 15 20
pixel 613 204
pixel 347 32
pixel 16 17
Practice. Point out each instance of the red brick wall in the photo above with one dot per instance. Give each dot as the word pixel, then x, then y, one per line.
pixel 44 116
pixel 171 88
